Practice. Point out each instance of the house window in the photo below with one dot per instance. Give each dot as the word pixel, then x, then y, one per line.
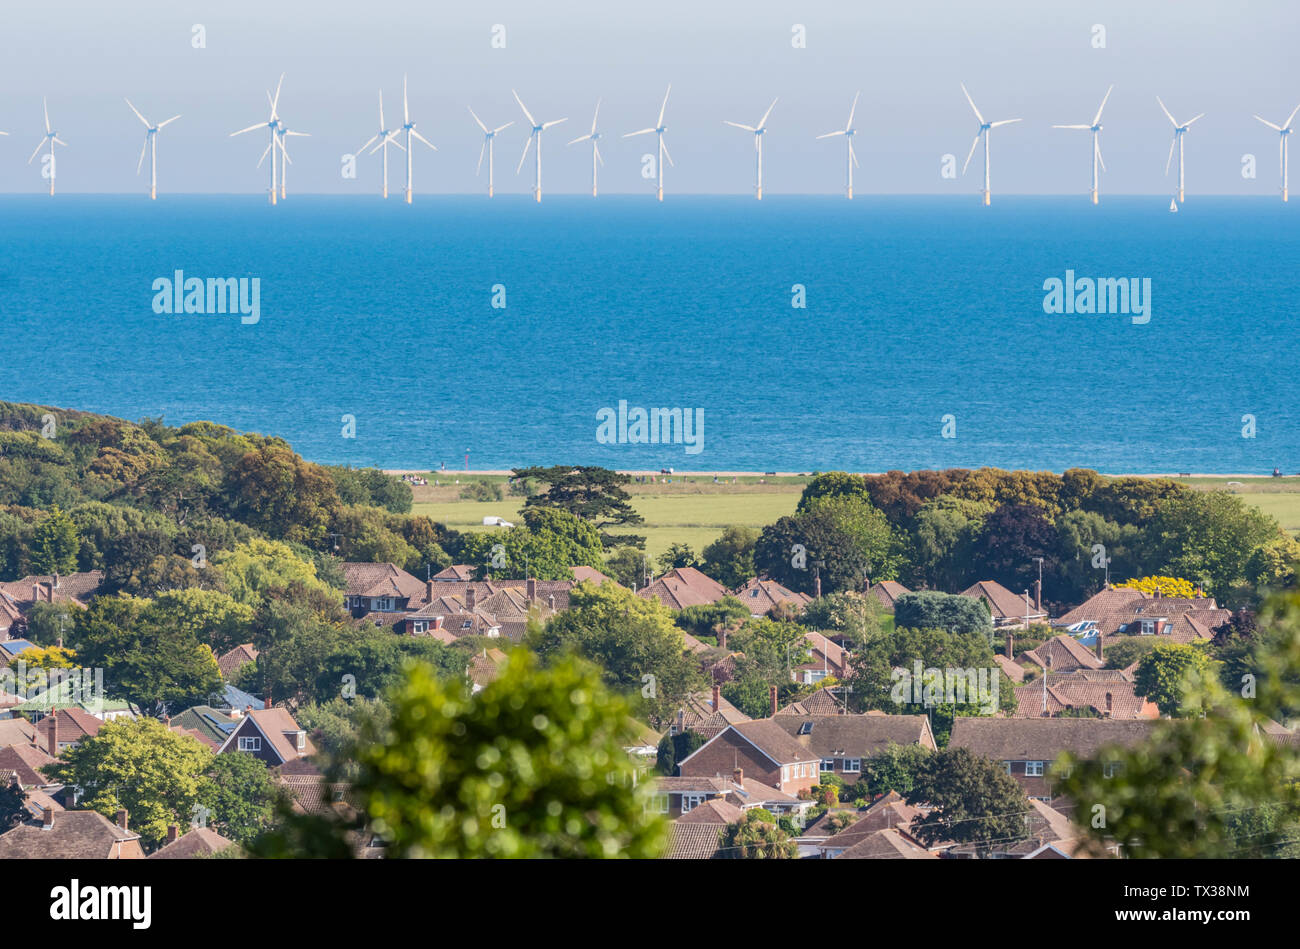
pixel 420 626
pixel 691 801
pixel 1148 627
pixel 852 765
pixel 828 764
pixel 816 675
pixel 1034 769
pixel 659 804
pixel 785 772
pixel 250 744
pixel 1006 766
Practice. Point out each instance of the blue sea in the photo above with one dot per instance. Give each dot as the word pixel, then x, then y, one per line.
pixel 916 308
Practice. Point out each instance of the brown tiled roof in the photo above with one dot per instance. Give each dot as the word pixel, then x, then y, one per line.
pixel 887 591
pixel 74 835
pixel 770 737
pixel 25 761
pixel 196 842
pixel 1014 670
pixel 887 811
pixel 887 845
pixel 819 645
pixel 693 841
pixel 77 588
pixel 231 662
pixel 1113 610
pixel 713 812
pixel 821 702
pixel 1002 602
pixel 457 573
pixel 1084 689
pixel 762 596
pixel 698 714
pixel 682 587
pixel 16 731
pixel 1042 739
pixel 380 579
pixel 74 725
pixel 485 666
pixel 1063 653
pixel 591 575
pixel 854 736
pixel 274 723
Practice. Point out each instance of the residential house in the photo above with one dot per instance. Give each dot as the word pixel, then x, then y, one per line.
pixel 887 591
pixel 72 835
pixel 484 667
pixel 233 660
pixel 841 743
pixel 1049 834
pixel 705 714
pixel 271 735
pixel 762 749
pixel 66 728
pixel 194 843
pixel 1105 693
pixel 892 844
pixel 887 812
pixel 682 587
pixel 1007 608
pixel 761 597
pixel 213 725
pixel 378 588
pixel 23 763
pixel 1028 747
pixel 17 597
pixel 821 702
pixel 1113 612
pixel 826 659
pixel 679 797
pixel 1061 654
pixel 694 841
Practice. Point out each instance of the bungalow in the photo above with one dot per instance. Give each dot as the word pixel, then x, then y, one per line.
pixel 887 591
pixel 378 588
pixel 762 749
pixel 17 597
pixel 194 843
pixel 826 660
pixel 1028 747
pixel 271 735
pixel 888 812
pixel 1061 654
pixel 841 743
pixel 761 597
pixel 1120 612
pixel 1105 693
pixel 682 587
pixel 706 714
pixel 72 835
pixel 1007 608
pixel 230 662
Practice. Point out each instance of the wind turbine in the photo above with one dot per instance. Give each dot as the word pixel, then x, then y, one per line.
pixel 385 137
pixel 536 133
pixel 150 138
pixel 982 133
pixel 1283 130
pixel 409 128
pixel 659 129
pixel 488 136
pixel 53 138
pixel 1095 128
pixel 592 137
pixel 1179 132
pixel 272 124
pixel 848 132
pixel 758 131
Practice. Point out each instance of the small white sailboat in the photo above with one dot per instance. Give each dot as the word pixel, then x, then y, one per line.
pixel 1173 205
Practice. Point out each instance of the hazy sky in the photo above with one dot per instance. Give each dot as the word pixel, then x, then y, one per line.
pixel 726 59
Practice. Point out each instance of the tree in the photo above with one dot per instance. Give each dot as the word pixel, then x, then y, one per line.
pixel 1012 539
pixel 854 617
pixel 894 769
pixel 628 566
pixel 673 748
pixel 140 765
pixel 707 619
pixel 757 836
pixel 276 491
pixel 942 539
pixel 849 538
pixel 239 796
pixel 677 555
pixel 545 547
pixel 960 615
pixel 594 494
pixel 1162 586
pixel 531 766
pixel 1123 652
pixel 833 484
pixel 634 641
pixel 260 570
pixel 13 805
pixel 974 801
pixel 55 544
pixel 1169 674
pixel 213 618
pixel 1275 565
pixel 1208 537
pixel 730 558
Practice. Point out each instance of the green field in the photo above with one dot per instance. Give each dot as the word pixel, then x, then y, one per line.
pixel 695 510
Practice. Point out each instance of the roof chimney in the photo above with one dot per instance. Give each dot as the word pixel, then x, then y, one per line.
pixel 1011 645
pixel 738 777
pixel 428 591
pixel 530 589
pixel 772 693
pixel 56 581
pixel 171 833
pixel 1110 703
pixel 122 815
pixel 54 734
pixel 1099 651
pixel 47 819
pixel 717 696
pixel 471 599
pixel 681 720
pixel 36 593
pixel 268 702
pixel 1038 596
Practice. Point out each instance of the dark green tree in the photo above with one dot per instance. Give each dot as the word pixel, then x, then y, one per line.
pixel 974 801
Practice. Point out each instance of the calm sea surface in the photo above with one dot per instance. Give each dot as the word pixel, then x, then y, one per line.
pixel 916 308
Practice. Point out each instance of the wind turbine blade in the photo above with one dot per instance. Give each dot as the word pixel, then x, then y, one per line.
pixel 1190 121
pixel 417 135
pixel 527 145
pixel 973 146
pixel 972 103
pixel 546 125
pixel 59 141
pixel 381 110
pixel 264 154
pixel 663 107
pixel 1096 144
pixel 1097 117
pixel 1004 122
pixel 299 134
pixel 168 122
pixel 501 128
pixel 763 120
pixel 369 142
pixel 666 155
pixel 854 156
pixel 638 132
pixel 595 147
pixel 39 146
pixel 528 114
pixel 476 119
pixel 1170 159
pixel 46 106
pixel 275 103
pixel 285 152
pixel 593 117
pixel 143 149
pixel 580 138
pixel 747 128
pixel 1291 116
pixel 833 134
pixel 1172 120
pixel 406 112
pixel 137 114
pixel 392 140
pixel 481 152
pixel 1071 126
pixel 853 108
pixel 259 125
pixel 1270 124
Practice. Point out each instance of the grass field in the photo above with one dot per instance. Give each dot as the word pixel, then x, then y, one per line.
pixel 694 510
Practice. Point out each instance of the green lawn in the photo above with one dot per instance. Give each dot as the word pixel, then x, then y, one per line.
pixel 1277 497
